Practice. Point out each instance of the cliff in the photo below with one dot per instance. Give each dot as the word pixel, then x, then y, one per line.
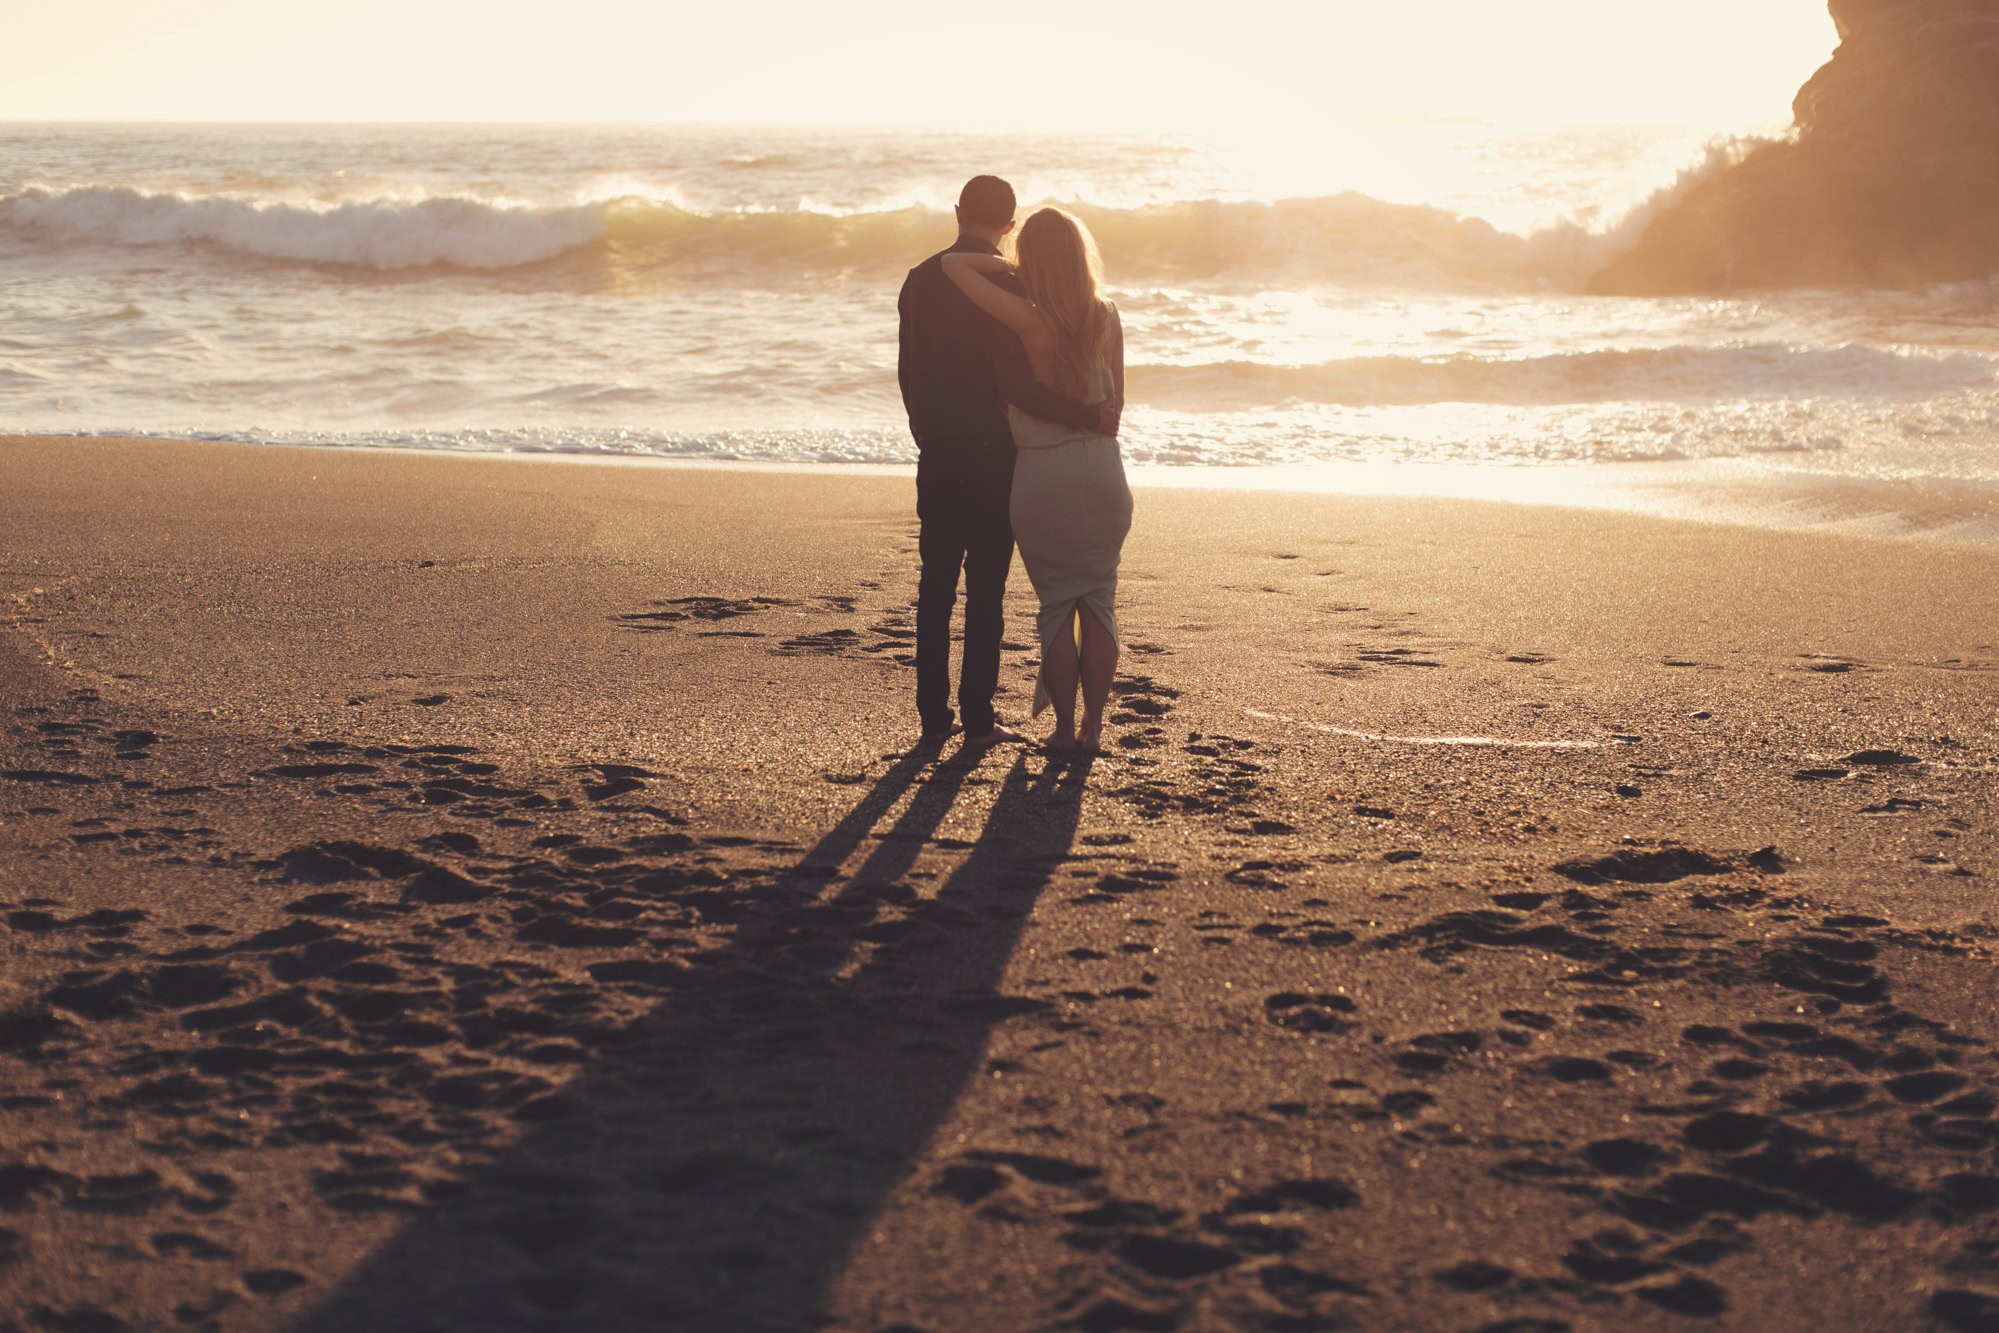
pixel 1890 178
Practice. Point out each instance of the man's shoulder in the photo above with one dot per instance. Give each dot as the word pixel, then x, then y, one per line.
pixel 934 264
pixel 925 279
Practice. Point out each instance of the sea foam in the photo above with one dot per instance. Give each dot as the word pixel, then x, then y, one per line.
pixel 1679 374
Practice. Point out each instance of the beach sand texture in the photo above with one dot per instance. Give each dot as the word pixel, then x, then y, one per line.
pixel 483 893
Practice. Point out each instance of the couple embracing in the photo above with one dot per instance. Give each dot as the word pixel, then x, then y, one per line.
pixel 1013 375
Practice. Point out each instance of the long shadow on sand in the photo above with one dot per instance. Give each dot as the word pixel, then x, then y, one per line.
pixel 716 1167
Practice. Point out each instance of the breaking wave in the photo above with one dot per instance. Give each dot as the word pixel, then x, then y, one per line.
pixel 1348 237
pixel 380 234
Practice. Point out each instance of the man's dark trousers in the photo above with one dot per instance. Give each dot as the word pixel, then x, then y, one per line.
pixel 962 508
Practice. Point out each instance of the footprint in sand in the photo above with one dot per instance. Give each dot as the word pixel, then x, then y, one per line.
pixel 668 614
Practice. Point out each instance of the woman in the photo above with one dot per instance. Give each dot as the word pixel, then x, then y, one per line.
pixel 1070 505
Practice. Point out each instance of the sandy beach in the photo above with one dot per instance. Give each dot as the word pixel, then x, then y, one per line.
pixel 476 893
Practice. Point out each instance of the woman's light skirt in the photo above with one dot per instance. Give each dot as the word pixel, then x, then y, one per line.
pixel 1071 510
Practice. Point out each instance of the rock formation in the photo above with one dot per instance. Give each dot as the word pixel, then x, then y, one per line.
pixel 1890 178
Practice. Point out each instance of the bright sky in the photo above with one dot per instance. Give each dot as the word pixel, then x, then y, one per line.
pixel 1240 65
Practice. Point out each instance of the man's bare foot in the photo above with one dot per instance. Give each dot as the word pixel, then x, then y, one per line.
pixel 997 736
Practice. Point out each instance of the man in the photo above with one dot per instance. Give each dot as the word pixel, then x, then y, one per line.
pixel 959 368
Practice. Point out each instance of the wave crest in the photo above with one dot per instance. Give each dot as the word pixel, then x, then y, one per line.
pixel 1342 238
pixel 379 234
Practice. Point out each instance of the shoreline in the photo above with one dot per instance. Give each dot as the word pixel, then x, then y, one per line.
pixel 1747 492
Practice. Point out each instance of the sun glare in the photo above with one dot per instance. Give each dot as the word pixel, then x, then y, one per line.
pixel 1278 70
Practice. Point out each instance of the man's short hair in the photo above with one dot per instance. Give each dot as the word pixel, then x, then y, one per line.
pixel 987 200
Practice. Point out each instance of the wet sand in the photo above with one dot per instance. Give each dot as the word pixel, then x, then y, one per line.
pixel 473 893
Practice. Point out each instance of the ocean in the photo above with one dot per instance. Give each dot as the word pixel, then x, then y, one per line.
pixel 1389 300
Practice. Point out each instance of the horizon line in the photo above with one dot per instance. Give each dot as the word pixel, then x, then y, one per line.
pixel 866 126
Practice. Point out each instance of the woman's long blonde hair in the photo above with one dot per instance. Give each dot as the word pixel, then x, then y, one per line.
pixel 1062 272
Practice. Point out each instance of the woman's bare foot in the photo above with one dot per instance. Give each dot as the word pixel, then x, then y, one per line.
pixel 1090 736
pixel 1062 738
